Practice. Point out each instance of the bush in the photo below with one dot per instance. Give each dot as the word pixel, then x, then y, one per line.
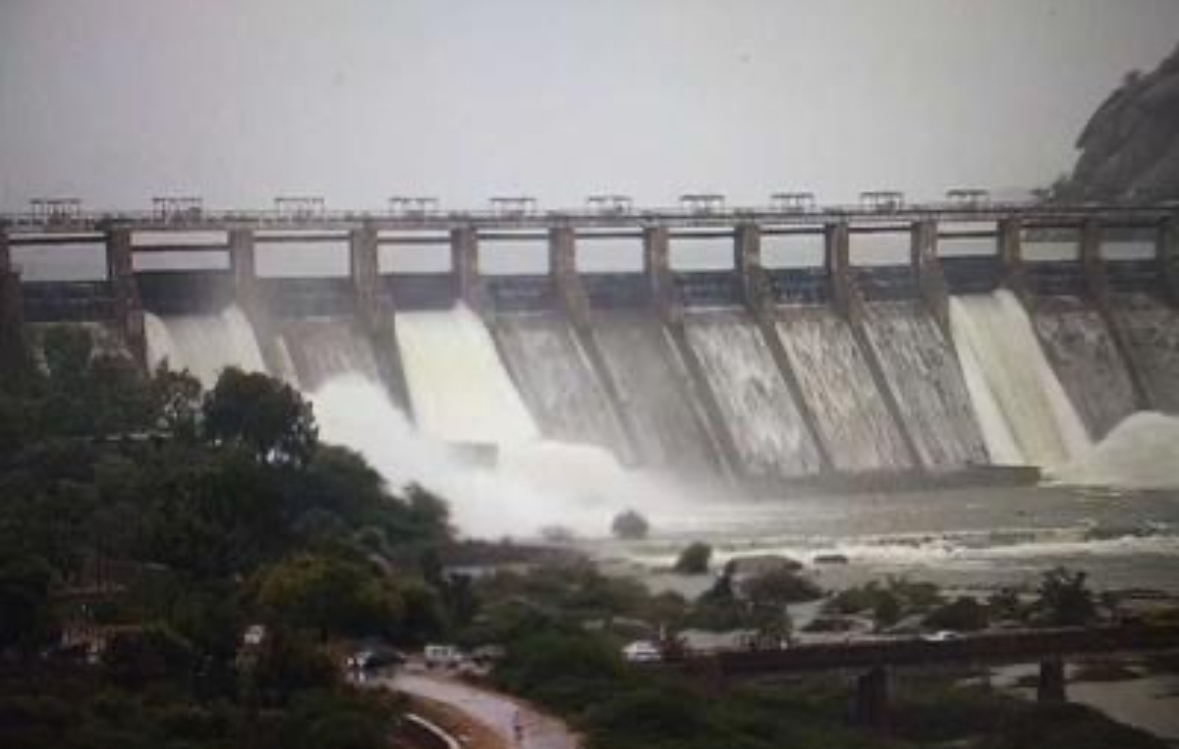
pixel 694 559
pixel 1065 600
pixel 780 587
pixel 964 614
pixel 630 525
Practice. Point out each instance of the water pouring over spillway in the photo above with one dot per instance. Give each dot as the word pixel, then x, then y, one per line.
pixel 996 340
pixel 459 388
pixel 204 344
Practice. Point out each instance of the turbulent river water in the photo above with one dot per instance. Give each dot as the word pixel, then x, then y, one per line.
pixel 970 537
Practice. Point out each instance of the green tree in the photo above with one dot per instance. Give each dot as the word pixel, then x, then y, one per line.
pixel 963 614
pixel 25 614
pixel 779 587
pixel 262 414
pixel 328 595
pixel 1065 599
pixel 694 559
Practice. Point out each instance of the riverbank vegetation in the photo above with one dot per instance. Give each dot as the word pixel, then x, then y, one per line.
pixel 175 565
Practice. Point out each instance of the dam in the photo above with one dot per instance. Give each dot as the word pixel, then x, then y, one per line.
pixel 876 346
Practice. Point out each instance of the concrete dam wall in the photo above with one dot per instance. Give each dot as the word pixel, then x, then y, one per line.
pixel 868 351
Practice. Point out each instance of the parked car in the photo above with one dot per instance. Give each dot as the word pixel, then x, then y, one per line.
pixel 642 651
pixel 377 657
pixel 442 656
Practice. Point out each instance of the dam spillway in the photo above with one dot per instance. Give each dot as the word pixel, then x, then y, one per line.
pixel 653 391
pixel 835 380
pixel 771 437
pixel 1086 359
pixel 922 369
pixel 776 375
pixel 559 383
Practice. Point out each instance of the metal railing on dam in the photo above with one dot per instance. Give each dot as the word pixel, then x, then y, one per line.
pixel 1039 213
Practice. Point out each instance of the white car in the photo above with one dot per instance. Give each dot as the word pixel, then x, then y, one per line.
pixel 944 635
pixel 642 651
pixel 442 656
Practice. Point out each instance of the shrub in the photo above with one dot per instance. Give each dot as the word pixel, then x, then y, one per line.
pixel 694 559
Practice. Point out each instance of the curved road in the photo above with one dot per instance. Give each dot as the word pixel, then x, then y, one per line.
pixel 497 711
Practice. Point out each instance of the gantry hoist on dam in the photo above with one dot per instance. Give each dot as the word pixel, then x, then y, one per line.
pixel 848 345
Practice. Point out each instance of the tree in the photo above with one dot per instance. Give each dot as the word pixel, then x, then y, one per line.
pixel 25 616
pixel 329 595
pixel 262 414
pixel 779 587
pixel 694 559
pixel 1064 599
pixel 156 653
pixel 630 525
pixel 963 614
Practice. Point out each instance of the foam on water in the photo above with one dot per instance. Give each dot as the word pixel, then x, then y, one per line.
pixel 1140 453
pixel 769 433
pixel 533 485
pixel 204 344
pixel 1001 355
pixel 459 388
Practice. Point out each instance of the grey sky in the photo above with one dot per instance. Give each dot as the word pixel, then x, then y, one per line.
pixel 117 100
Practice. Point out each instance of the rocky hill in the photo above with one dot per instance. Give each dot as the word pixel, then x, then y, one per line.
pixel 1130 146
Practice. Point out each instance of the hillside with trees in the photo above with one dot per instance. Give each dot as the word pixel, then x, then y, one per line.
pixel 1130 146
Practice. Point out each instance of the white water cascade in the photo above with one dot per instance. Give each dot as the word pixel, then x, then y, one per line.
pixel 1008 376
pixel 533 485
pixel 204 344
pixel 1140 453
pixel 458 387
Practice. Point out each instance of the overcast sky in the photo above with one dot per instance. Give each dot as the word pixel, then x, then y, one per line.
pixel 118 100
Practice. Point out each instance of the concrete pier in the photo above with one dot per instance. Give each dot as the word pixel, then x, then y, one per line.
pixel 837 258
pixel 657 269
pixel 362 267
pixel 375 311
pixel 1093 268
pixel 1168 257
pixel 563 271
pixel 464 259
pixel 243 262
pixel 928 270
pixel 11 309
pixel 1009 245
pixel 128 309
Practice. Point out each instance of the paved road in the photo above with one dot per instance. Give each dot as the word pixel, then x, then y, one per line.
pixel 494 710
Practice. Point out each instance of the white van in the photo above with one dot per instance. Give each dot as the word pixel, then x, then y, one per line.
pixel 442 656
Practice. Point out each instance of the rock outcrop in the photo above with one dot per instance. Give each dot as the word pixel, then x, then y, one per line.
pixel 1130 146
